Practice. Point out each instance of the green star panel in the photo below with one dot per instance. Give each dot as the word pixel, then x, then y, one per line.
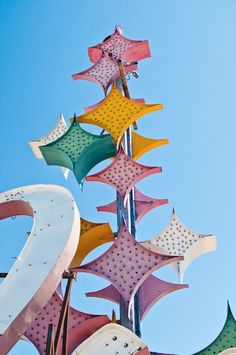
pixel 78 150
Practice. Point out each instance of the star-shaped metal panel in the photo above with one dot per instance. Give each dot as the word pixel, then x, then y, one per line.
pixel 177 239
pixel 142 145
pixel 92 235
pixel 120 47
pixel 80 326
pixel 151 291
pixel 225 340
pixel 143 204
pixel 127 264
pixel 123 173
pixel 59 129
pixel 116 113
pixel 78 150
pixel 103 72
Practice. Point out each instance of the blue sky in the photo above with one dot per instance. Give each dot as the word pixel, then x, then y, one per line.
pixel 192 72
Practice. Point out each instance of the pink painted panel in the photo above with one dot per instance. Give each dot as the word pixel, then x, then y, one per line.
pixel 151 291
pixel 143 204
pixel 127 264
pixel 123 173
pixel 104 72
pixel 120 47
pixel 81 325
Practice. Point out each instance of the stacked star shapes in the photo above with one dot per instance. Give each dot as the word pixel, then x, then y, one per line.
pixel 127 264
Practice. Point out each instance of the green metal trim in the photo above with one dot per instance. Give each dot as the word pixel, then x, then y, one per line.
pixel 225 340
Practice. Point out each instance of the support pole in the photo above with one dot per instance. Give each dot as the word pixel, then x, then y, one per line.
pixel 64 311
pixel 50 341
pixel 65 332
pixel 131 214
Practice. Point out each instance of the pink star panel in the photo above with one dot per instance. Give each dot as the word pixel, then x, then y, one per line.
pixel 127 264
pixel 151 291
pixel 81 325
pixel 123 173
pixel 143 204
pixel 104 72
pixel 122 48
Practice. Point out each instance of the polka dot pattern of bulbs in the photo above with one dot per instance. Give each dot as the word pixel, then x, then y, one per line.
pixel 128 264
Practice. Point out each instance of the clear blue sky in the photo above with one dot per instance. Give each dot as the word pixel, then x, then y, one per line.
pixel 192 72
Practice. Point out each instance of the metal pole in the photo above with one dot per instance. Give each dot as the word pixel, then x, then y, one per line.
pixel 131 214
pixel 50 342
pixel 65 332
pixel 65 305
pixel 122 213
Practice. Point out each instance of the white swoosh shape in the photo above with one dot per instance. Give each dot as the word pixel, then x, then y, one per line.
pixel 46 254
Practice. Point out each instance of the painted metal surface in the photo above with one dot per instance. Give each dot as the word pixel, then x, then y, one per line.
pixel 92 107
pixel 92 235
pixel 151 291
pixel 123 174
pixel 143 204
pixel 48 251
pixel 127 264
pixel 225 340
pixel 120 47
pixel 59 129
pixel 177 239
pixel 78 150
pixel 80 326
pixel 116 113
pixel 111 339
pixel 104 72
pixel 142 145
pixel 231 351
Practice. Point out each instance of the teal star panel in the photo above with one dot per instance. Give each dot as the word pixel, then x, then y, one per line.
pixel 225 340
pixel 78 150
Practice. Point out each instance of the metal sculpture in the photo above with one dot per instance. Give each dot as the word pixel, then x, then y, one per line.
pixel 42 314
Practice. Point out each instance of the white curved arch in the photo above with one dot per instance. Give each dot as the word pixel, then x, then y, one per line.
pixel 46 254
pixel 231 351
pixel 111 339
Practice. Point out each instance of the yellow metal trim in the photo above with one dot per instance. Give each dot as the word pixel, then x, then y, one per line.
pixel 141 145
pixel 93 235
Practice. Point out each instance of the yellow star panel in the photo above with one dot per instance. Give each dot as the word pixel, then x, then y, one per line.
pixel 116 113
pixel 141 145
pixel 92 235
